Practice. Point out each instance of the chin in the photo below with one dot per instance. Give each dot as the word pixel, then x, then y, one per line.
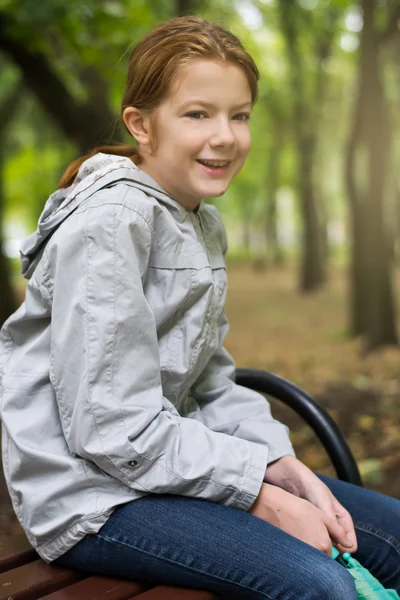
pixel 220 193
pixel 216 192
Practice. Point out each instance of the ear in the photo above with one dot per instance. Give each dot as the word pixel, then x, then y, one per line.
pixel 137 123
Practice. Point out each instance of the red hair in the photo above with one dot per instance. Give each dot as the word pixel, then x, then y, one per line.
pixel 155 61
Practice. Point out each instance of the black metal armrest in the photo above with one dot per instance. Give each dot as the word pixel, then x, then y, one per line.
pixel 319 420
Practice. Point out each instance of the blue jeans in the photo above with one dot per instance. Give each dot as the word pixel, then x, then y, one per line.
pixel 174 540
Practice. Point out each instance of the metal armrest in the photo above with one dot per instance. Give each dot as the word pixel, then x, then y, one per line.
pixel 319 420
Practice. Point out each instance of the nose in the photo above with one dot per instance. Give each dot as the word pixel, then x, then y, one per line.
pixel 223 135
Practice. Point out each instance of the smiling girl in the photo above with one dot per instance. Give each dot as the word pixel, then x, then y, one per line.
pixel 128 448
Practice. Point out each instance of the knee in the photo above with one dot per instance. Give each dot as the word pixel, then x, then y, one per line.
pixel 334 582
pixel 319 579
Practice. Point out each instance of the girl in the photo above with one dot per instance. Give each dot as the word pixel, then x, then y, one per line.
pixel 128 449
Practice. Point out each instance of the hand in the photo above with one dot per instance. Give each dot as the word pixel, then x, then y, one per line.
pixel 297 517
pixel 294 477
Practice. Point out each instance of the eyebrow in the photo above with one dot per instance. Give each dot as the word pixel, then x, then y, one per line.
pixel 211 105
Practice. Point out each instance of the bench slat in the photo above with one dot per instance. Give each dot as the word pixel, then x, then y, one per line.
pixel 166 592
pixel 98 588
pixel 23 576
pixel 15 552
pixel 34 580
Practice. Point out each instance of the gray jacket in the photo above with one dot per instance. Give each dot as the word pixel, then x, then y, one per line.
pixel 114 381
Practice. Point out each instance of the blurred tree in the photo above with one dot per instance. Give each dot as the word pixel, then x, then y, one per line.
pixel 277 110
pixel 367 175
pixel 84 122
pixel 88 122
pixel 307 79
pixel 8 107
pixel 187 7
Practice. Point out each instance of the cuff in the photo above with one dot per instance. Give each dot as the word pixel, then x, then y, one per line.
pixel 253 478
pixel 276 453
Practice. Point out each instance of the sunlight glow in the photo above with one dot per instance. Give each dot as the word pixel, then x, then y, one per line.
pixel 250 14
pixel 349 42
pixel 354 20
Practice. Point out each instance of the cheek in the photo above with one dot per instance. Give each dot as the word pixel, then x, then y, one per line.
pixel 245 143
pixel 190 139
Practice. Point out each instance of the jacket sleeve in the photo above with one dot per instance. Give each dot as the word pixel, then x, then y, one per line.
pixel 235 410
pixel 106 370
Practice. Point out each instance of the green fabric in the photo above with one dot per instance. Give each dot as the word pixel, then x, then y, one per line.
pixel 368 588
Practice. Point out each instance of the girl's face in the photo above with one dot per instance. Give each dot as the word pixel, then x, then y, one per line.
pixel 202 130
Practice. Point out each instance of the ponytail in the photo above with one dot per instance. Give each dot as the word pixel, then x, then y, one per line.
pixel 120 150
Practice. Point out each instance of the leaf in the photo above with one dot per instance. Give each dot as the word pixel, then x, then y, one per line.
pixel 371 470
pixel 366 422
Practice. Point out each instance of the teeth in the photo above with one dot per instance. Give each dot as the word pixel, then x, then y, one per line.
pixel 211 163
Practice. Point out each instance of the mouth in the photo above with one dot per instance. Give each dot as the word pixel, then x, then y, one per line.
pixel 214 166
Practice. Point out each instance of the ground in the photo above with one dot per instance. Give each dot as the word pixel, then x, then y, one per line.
pixel 303 338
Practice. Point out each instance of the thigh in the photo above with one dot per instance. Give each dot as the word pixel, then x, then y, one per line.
pixel 188 542
pixel 377 522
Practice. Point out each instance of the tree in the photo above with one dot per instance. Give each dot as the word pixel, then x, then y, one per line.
pixel 8 108
pixel 276 109
pixel 87 123
pixel 307 91
pixel 367 168
pixel 186 7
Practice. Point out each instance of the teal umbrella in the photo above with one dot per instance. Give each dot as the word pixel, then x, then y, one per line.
pixel 368 587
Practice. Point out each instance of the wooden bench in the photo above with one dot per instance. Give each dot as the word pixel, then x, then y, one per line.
pixel 24 576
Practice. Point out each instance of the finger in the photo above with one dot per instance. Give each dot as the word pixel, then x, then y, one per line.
pixel 344 519
pixel 325 502
pixel 343 549
pixel 353 548
pixel 338 513
pixel 347 524
pixel 326 546
pixel 337 533
pixel 323 499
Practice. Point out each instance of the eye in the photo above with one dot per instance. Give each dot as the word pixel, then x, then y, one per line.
pixel 242 117
pixel 196 115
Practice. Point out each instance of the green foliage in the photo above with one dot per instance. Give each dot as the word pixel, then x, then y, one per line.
pixel 30 175
pixel 98 34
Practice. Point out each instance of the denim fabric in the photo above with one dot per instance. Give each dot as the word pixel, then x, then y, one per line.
pixel 195 543
pixel 377 522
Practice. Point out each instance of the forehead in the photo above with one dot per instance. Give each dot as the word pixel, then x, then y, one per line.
pixel 214 81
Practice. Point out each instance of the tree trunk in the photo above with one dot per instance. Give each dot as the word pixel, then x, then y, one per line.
pixel 8 301
pixel 358 270
pixel 246 236
pixel 87 124
pixel 306 118
pixel 186 7
pixel 274 250
pixel 372 306
pixel 397 226
pixel 312 272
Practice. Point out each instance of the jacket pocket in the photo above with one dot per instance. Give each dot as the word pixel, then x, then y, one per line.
pixel 168 288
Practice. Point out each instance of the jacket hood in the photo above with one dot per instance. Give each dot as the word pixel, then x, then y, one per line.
pixel 98 171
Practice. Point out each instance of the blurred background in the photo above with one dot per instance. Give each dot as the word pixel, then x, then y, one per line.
pixel 313 220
